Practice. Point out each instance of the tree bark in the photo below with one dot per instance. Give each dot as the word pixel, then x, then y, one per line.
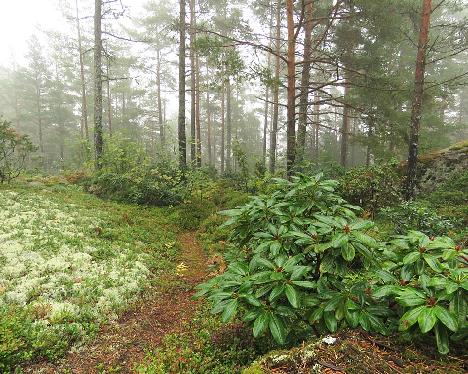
pixel 192 85
pixel 160 108
pixel 274 123
pixel 228 124
pixel 303 105
pixel 39 114
pixel 345 126
pixel 84 103
pixel 370 132
pixel 109 99
pixel 291 120
pixel 181 119
pixel 208 120
pixel 416 110
pixel 222 128
pixel 197 111
pixel 98 141
pixel 267 92
pixel 316 124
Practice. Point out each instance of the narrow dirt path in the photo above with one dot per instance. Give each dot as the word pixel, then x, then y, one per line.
pixel 120 346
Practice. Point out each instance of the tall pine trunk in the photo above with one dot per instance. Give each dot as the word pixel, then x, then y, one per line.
pixel 303 105
pixel 267 91
pixel 316 125
pixel 98 141
pixel 84 103
pixel 416 110
pixel 109 99
pixel 197 111
pixel 192 85
pixel 208 121
pixel 222 128
pixel 228 124
pixel 274 122
pixel 345 126
pixel 160 108
pixel 39 114
pixel 291 107
pixel 181 119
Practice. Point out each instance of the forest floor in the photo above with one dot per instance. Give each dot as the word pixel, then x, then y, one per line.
pixel 165 328
pixel 121 346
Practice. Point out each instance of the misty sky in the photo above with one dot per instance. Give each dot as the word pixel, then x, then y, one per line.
pixel 19 19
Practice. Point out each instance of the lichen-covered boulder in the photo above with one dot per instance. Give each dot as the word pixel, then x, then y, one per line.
pixel 436 168
pixel 293 359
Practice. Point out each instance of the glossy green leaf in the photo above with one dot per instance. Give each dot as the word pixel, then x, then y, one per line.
pixel 433 263
pixel 339 240
pixel 276 292
pixel 252 300
pixel 305 284
pixel 299 272
pixel 292 295
pixel 330 321
pixel 275 248
pixel 426 319
pixel 230 311
pixel 410 318
pixel 316 315
pixel 446 317
pixel 251 315
pixel 365 239
pixel 442 339
pixel 348 252
pixel 277 329
pixel 411 258
pixel 364 321
pixel 261 324
pixel 352 318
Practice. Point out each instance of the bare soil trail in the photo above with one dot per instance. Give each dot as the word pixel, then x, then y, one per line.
pixel 119 346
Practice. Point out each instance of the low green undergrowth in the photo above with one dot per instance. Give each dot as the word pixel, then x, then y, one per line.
pixel 204 346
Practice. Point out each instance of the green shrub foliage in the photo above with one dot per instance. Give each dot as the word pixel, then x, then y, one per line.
pixel 417 216
pixel 372 187
pixel 128 174
pixel 299 239
pixel 427 277
pixel 14 150
pixel 304 255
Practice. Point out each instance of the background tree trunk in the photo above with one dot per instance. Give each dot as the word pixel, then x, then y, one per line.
pixel 274 123
pixel 303 105
pixel 291 120
pixel 316 124
pixel 192 85
pixel 208 121
pixel 228 124
pixel 98 142
pixel 197 111
pixel 267 90
pixel 160 108
pixel 416 110
pixel 109 99
pixel 84 104
pixel 181 119
pixel 222 128
pixel 39 115
pixel 345 126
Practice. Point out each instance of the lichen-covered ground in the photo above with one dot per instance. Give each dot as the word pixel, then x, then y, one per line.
pixel 54 260
pixel 68 262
